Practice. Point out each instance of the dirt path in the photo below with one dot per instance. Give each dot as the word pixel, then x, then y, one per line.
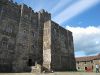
pixel 56 73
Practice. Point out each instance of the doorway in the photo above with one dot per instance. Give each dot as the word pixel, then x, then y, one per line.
pixel 30 62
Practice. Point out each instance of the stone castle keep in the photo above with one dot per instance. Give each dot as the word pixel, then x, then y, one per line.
pixel 28 37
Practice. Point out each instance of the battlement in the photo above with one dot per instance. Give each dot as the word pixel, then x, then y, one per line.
pixel 27 8
pixel 42 11
pixel 44 14
pixel 9 3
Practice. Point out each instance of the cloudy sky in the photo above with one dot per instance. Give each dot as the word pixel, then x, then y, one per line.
pixel 82 17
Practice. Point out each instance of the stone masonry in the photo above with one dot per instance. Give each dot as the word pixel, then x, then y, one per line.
pixel 28 37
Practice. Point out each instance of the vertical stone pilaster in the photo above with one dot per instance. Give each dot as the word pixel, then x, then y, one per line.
pixel 47 45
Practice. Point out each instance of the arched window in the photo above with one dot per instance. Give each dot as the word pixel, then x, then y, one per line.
pixel 9 29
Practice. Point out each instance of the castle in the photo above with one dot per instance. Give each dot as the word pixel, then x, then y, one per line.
pixel 28 37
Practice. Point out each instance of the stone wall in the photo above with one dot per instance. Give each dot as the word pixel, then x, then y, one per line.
pixel 23 39
pixel 62 49
pixel 8 31
pixel 28 37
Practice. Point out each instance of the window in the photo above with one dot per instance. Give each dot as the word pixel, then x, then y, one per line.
pixel 33 34
pixel 9 29
pixel 24 31
pixel 85 62
pixel 4 42
pixel 78 62
pixel 78 67
pixel 91 61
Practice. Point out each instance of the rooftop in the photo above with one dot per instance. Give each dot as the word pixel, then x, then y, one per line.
pixel 88 58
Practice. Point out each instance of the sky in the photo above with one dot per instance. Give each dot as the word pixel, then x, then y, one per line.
pixel 82 17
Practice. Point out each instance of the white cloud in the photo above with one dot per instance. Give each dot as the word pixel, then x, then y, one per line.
pixel 86 40
pixel 74 10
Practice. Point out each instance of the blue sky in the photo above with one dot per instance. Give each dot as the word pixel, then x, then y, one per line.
pixel 82 17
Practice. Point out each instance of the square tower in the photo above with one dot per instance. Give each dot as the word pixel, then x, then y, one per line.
pixel 58 49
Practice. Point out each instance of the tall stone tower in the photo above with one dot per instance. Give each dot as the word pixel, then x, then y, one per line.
pixel 58 49
pixel 28 37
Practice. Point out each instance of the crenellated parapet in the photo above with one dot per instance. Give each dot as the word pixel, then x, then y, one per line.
pixel 25 9
pixel 44 14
